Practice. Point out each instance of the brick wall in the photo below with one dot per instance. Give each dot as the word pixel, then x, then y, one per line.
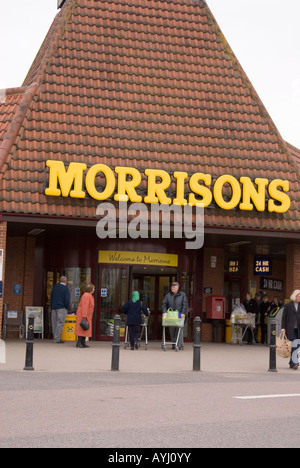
pixel 213 277
pixel 292 269
pixel 19 270
pixel 3 229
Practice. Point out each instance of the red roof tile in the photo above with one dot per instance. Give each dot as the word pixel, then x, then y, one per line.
pixel 149 85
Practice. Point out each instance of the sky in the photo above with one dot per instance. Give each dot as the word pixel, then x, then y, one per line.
pixel 263 34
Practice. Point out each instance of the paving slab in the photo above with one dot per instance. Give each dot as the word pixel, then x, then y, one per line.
pixel 215 357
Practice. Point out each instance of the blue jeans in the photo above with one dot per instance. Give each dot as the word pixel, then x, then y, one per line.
pixel 295 347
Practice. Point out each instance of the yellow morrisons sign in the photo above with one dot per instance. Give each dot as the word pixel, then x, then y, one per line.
pixel 261 194
pixel 138 258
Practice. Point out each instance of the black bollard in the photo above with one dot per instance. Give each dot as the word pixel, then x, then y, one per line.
pixel 197 345
pixel 272 367
pixel 29 344
pixel 116 344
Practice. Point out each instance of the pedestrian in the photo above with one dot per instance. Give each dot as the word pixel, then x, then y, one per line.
pixel 175 299
pixel 291 326
pixel 59 303
pixel 274 306
pixel 248 303
pixel 251 307
pixel 264 310
pixel 85 311
pixel 134 310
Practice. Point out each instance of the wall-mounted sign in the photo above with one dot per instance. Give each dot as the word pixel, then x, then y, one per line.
pixel 271 284
pixel 123 183
pixel 17 289
pixel 262 266
pixel 233 265
pixel 138 258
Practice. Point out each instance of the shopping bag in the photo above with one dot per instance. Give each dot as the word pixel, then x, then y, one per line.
pixel 172 318
pixel 283 346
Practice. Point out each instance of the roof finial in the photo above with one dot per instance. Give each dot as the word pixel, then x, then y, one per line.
pixel 60 3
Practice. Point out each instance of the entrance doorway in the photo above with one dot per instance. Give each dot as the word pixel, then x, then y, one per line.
pixel 116 284
pixel 152 285
pixel 77 280
pixel 233 293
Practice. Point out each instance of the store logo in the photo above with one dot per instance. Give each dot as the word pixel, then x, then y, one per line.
pixel 156 221
pixel 159 187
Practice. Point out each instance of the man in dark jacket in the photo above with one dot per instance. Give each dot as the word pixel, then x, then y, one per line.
pixel 59 303
pixel 176 300
pixel 291 326
pixel 264 310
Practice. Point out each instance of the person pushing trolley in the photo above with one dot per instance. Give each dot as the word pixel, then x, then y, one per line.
pixel 175 300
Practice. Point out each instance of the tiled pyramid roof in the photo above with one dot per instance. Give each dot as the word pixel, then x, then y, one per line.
pixel 295 153
pixel 149 84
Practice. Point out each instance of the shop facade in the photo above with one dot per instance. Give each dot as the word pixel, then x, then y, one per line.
pixel 225 267
pixel 111 114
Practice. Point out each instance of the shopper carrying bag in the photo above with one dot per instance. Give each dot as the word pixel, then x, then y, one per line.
pixel 291 326
pixel 84 316
pixel 283 346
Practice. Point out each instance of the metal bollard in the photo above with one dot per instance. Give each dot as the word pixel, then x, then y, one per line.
pixel 116 344
pixel 272 366
pixel 197 345
pixel 29 344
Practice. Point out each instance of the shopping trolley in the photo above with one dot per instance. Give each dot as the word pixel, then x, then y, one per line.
pixel 172 319
pixel 144 331
pixel 240 325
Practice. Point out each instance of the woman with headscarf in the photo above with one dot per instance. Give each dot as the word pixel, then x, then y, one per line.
pixel 134 310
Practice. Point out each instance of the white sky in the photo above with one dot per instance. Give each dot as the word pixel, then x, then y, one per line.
pixel 263 34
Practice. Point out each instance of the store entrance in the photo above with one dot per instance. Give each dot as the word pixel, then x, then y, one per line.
pixel 116 284
pixel 152 285
pixel 233 293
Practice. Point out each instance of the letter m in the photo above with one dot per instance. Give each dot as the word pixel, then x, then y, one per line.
pixel 65 179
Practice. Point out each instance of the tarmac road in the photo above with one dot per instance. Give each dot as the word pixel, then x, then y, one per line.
pixel 163 410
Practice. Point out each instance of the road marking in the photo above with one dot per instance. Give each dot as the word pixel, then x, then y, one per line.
pixel 260 397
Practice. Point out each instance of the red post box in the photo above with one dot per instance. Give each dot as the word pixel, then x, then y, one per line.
pixel 215 307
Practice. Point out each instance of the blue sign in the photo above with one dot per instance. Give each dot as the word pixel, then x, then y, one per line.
pixel 262 266
pixel 17 289
pixel 103 292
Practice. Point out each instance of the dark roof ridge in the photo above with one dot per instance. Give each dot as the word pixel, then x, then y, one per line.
pixel 11 92
pixel 293 147
pixel 50 43
pixel 295 156
pixel 17 121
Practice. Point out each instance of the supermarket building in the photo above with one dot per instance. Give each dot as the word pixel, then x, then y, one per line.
pixel 143 105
